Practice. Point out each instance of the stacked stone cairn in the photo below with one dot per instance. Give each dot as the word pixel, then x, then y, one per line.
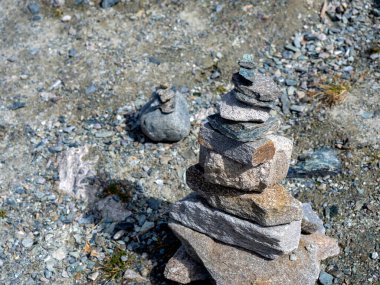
pixel 240 227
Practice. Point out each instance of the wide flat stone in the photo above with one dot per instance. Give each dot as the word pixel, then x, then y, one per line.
pixel 224 171
pixel 183 269
pixel 274 206
pixel 249 100
pixel 247 61
pixel 232 109
pixel 247 153
pixel 259 86
pixel 165 94
pixel 311 222
pixel 230 265
pixel 244 131
pixel 270 242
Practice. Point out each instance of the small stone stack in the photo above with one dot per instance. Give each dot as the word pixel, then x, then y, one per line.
pixel 240 226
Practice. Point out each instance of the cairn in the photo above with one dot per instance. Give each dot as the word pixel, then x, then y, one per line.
pixel 240 227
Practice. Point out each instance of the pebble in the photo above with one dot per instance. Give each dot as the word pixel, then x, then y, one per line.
pixel 59 254
pixel 66 18
pixel 325 278
pixel 34 8
pixel 108 3
pixel 91 89
pixel 93 276
pixel 104 134
pixel 27 242
pixel 374 255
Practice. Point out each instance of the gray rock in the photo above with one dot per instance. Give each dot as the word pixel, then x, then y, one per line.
pixel 311 222
pixel 230 265
pixel 91 89
pixel 244 131
pixel 108 3
pixel 112 210
pixel 321 162
pixel 325 278
pixel 224 171
pixel 232 109
pixel 34 8
pixel 183 269
pixel 274 206
pixel 285 103
pixel 165 127
pixel 247 153
pixel 27 242
pixel 247 61
pixel 252 101
pixel 269 242
pixel 260 86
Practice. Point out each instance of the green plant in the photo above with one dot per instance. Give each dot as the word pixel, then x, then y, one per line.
pixel 3 214
pixel 114 266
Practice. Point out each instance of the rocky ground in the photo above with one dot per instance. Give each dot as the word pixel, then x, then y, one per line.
pixel 84 196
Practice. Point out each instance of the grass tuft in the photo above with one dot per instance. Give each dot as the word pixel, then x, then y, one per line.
pixel 3 214
pixel 333 93
pixel 114 266
pixel 119 188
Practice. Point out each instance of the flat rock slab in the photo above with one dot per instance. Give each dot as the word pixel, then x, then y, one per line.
pixel 249 100
pixel 232 109
pixel 274 206
pixel 256 85
pixel 247 153
pixel 244 131
pixel 230 265
pixel 224 171
pixel 183 269
pixel 269 242
pixel 311 222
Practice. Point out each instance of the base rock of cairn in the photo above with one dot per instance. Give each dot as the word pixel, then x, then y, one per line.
pixel 241 227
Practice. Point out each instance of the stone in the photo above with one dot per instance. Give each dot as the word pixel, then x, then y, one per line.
pixel 224 171
pixel 274 206
pixel 247 61
pixel 34 8
pixel 247 153
pixel 260 86
pixel 252 101
pixel 161 127
pixel 168 107
pixel 247 73
pixel 27 242
pixel 59 254
pixel 165 94
pixel 183 269
pixel 270 242
pixel 77 171
pixel 325 278
pixel 311 222
pixel 108 3
pixel 244 131
pixel 232 109
pixel 230 265
pixel 112 210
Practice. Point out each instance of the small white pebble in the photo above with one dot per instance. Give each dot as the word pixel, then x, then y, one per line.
pixel 375 255
pixel 293 257
pixel 66 18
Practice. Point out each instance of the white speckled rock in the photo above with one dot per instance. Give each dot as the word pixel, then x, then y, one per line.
pixel 311 222
pixel 224 171
pixel 269 242
pixel 230 265
pixel 232 109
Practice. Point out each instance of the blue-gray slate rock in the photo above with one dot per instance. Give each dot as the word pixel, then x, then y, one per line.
pixel 325 278
pixel 321 162
pixel 108 3
pixel 165 127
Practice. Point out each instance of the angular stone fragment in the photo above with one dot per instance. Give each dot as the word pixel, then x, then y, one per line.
pixel 169 106
pixel 224 171
pixel 165 94
pixel 269 242
pixel 249 153
pixel 252 101
pixel 274 206
pixel 247 61
pixel 232 109
pixel 259 86
pixel 230 265
pixel 244 131
pixel 311 222
pixel 183 269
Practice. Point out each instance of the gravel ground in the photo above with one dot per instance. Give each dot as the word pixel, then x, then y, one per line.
pixel 73 76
